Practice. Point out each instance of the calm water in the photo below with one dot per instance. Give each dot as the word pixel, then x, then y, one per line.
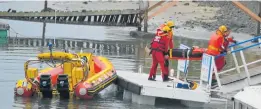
pixel 125 53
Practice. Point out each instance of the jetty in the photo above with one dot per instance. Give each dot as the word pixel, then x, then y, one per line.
pixel 138 89
pixel 127 17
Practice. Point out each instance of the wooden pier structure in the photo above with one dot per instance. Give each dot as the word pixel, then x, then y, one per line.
pixel 108 17
pixel 125 47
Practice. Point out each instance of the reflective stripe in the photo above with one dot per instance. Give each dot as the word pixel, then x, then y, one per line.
pixel 170 53
pixel 157 49
pixel 161 33
pixel 211 47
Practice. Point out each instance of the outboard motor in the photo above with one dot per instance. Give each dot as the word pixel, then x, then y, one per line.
pixel 45 85
pixel 63 86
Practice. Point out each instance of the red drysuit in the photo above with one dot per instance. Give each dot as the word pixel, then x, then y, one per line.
pixel 170 44
pixel 159 48
pixel 220 61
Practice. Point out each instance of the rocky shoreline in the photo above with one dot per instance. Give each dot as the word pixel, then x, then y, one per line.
pixel 229 15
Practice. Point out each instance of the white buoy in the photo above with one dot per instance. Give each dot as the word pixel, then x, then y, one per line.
pixel 20 91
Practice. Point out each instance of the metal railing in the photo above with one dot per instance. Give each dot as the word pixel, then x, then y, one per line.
pixel 245 65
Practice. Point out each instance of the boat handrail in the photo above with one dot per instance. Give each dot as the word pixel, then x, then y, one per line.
pixel 252 39
pixel 243 48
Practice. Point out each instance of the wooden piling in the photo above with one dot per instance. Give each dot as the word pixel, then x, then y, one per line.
pixel 89 18
pixel 131 18
pixel 45 5
pixel 74 18
pixel 117 18
pixel 100 18
pixel 107 18
pixel 43 35
pixel 95 19
pixel 146 20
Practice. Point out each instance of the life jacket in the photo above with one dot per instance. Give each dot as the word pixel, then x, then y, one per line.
pixel 159 42
pixel 216 44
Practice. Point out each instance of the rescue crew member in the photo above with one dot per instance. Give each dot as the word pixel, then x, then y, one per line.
pixel 170 24
pixel 216 46
pixel 159 49
pixel 216 42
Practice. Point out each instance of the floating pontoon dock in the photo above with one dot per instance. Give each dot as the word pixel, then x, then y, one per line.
pixel 139 90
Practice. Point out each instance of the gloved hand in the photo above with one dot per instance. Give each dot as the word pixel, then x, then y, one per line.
pixel 234 41
pixel 224 51
pixel 228 52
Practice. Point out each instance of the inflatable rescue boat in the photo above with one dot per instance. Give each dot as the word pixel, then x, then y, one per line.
pixel 65 74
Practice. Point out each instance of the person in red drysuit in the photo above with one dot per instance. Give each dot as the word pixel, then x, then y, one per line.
pixel 218 44
pixel 159 49
pixel 170 24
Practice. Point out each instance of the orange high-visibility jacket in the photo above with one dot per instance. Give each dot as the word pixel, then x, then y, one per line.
pixel 170 36
pixel 215 45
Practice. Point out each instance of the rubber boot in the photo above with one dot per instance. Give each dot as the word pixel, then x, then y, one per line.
pixel 153 78
pixel 166 78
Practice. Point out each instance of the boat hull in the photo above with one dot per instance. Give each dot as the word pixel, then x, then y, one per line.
pixel 102 79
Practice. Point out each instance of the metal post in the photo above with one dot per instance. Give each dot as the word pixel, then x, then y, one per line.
pixel 55 16
pixel 235 60
pixel 45 5
pixel 139 25
pixel 43 35
pixel 259 14
pixel 146 16
pixel 245 66
pixel 140 15
pixel 258 22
